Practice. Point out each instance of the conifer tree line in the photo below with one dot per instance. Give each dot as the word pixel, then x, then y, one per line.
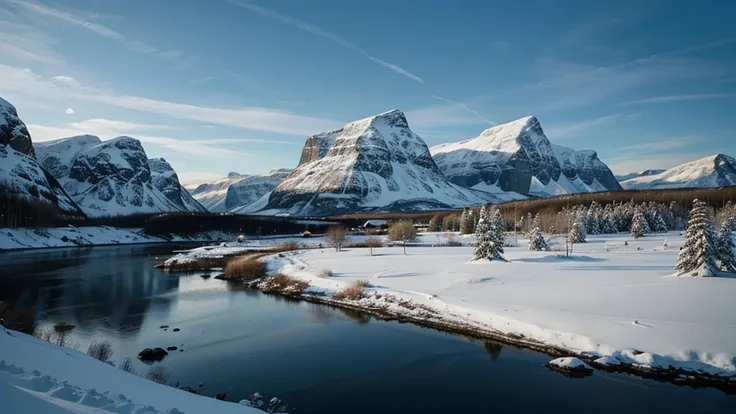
pixel 705 250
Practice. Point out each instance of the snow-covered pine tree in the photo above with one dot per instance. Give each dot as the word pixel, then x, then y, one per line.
pixel 698 252
pixel 638 223
pixel 724 249
pixel 660 225
pixel 483 236
pixel 536 236
pixel 498 235
pixel 576 234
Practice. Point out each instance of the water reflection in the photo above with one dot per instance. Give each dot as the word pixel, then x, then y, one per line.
pixel 493 349
pixel 91 288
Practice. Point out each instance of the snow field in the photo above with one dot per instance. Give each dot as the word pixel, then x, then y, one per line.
pixel 607 299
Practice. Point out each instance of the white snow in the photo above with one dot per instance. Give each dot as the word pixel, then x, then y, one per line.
pixel 607 361
pixel 586 303
pixel 713 171
pixel 39 377
pixel 571 363
pixel 238 192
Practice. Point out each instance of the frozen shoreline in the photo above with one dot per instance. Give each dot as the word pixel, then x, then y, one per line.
pixel 610 300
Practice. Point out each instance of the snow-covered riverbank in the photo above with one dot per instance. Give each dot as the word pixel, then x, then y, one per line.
pixel 39 377
pixel 39 238
pixel 608 299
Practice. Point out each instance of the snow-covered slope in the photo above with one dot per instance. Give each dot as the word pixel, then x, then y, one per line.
pixel 517 156
pixel 212 195
pixel 165 179
pixel 21 176
pixel 374 164
pixel 636 174
pixel 238 190
pixel 105 178
pixel 714 171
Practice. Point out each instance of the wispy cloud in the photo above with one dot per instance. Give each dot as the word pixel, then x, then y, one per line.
pixel 67 81
pixel 574 129
pixel 662 145
pixel 28 83
pixel 466 108
pixel 308 27
pixel 443 115
pixel 191 179
pixel 96 28
pixel 501 45
pixel 659 151
pixel 679 98
pixel 69 111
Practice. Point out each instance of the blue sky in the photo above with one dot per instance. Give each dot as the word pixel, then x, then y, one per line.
pixel 231 85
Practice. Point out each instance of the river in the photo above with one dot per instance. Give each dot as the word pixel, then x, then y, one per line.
pixel 317 359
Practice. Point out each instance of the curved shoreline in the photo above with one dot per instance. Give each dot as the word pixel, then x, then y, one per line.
pixel 434 320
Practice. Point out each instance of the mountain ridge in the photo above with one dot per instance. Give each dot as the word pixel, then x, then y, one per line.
pixel 718 170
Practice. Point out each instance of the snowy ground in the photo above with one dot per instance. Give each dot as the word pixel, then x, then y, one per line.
pixel 608 299
pixel 31 238
pixel 39 377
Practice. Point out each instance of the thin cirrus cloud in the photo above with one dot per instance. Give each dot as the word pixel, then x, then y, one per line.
pixel 308 27
pixel 571 130
pixel 679 98
pixel 93 27
pixel 69 111
pixel 30 84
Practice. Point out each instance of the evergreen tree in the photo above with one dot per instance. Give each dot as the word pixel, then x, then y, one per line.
pixel 536 236
pixel 576 233
pixel 724 250
pixel 483 236
pixel 698 252
pixel 638 224
pixel 660 225
pixel 498 235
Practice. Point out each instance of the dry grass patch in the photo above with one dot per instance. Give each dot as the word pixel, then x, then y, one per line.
pixel 101 350
pixel 244 268
pixel 284 247
pixel 353 291
pixel 284 284
pixel 158 374
pixel 325 273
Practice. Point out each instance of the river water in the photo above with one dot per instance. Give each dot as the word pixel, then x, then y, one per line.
pixel 315 358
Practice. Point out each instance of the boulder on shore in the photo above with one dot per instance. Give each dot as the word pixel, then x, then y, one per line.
pixel 155 354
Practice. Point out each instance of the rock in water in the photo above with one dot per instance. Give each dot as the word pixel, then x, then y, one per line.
pixel 517 156
pixel 374 164
pixel 570 366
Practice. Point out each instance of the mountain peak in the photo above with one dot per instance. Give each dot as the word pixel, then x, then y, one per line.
pixel 717 170
pixel 233 175
pixel 394 118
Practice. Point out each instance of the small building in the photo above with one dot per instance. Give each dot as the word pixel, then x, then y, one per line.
pixel 375 224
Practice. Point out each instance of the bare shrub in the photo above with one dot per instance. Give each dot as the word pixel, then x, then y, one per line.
pixel 325 273
pixel 306 233
pixel 101 350
pixel 158 374
pixel 245 268
pixel 18 318
pixel 126 364
pixel 336 236
pixel 283 283
pixel 62 330
pixel 353 291
pixel 46 333
pixel 401 231
pixel 372 242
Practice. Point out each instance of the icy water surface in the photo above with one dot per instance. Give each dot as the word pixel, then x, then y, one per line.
pixel 315 358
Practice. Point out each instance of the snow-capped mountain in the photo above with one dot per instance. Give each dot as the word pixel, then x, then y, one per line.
pixel 105 178
pixel 167 181
pixel 644 173
pixel 374 164
pixel 714 171
pixel 517 156
pixel 238 190
pixel 21 176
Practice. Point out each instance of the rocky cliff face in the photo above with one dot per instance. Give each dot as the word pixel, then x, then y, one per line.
pixel 374 164
pixel 166 180
pixel 236 191
pixel 518 157
pixel 105 178
pixel 710 172
pixel 21 176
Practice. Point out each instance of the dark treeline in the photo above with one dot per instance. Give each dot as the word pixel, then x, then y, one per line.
pixel 714 197
pixel 190 223
pixel 18 211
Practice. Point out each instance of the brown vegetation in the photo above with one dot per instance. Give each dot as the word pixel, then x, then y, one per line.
pixel 18 318
pixel 284 284
pixel 401 231
pixel 101 350
pixel 244 268
pixel 126 364
pixel 325 273
pixel 353 291
pixel 336 236
pixel 158 374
